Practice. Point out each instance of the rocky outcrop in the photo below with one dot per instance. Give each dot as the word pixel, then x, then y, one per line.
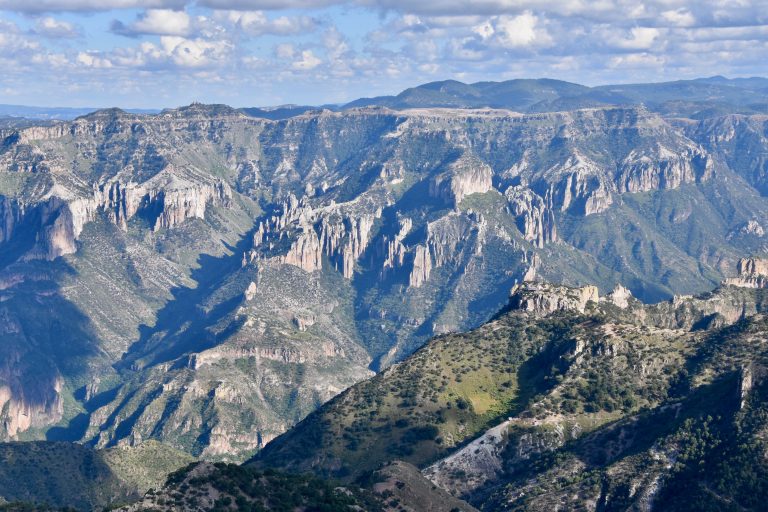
pixel 662 168
pixel 620 296
pixel 302 236
pixel 467 175
pixel 533 214
pixel 751 273
pixel 60 218
pixel 446 238
pixel 394 250
pixel 25 407
pixel 578 185
pixel 422 266
pixel 542 299
pixel 11 213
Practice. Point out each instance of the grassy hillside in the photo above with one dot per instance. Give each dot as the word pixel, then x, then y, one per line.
pixel 535 411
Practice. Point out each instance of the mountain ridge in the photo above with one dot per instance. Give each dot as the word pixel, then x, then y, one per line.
pixel 228 270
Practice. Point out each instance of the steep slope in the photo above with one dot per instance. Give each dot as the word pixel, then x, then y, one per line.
pixel 566 400
pixel 219 276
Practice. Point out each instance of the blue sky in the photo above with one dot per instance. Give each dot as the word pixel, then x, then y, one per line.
pixel 160 53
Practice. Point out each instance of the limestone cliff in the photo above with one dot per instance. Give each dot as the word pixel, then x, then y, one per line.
pixel 303 236
pixel 467 175
pixel 412 222
pixel 541 298
pixel 751 273
pixel 533 214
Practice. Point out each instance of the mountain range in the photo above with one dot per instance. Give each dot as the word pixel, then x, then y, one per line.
pixel 208 277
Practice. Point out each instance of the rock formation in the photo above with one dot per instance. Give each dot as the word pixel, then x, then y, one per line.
pixel 394 225
pixel 534 216
pixel 467 175
pixel 542 298
pixel 751 273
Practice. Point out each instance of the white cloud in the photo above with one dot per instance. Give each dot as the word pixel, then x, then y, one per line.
pixel 156 22
pixel 55 29
pixel 39 6
pixel 514 32
pixel 637 60
pixel 518 31
pixel 267 5
pixel 193 53
pixel 256 23
pixel 285 51
pixel 638 38
pixel 93 60
pixel 376 45
pixel 679 17
pixel 307 61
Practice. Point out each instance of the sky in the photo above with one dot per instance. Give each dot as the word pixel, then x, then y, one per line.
pixel 165 53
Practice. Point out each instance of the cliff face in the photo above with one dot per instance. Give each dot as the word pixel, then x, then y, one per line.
pixel 533 214
pixel 752 273
pixel 169 238
pixel 467 175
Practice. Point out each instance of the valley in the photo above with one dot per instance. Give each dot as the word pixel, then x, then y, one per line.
pixel 494 301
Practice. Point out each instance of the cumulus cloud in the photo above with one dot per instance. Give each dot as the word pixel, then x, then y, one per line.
pixel 40 6
pixel 307 60
pixel 521 31
pixel 679 17
pixel 637 38
pixel 267 5
pixel 380 45
pixel 56 29
pixel 156 22
pixel 257 23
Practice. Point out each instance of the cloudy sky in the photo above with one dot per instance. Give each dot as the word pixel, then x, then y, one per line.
pixel 157 53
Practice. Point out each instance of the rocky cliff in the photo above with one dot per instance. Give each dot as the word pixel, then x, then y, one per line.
pixel 752 273
pixel 312 250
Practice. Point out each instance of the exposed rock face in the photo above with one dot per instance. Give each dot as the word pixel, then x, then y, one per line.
pixel 422 266
pixel 10 214
pixel 534 216
pixel 620 296
pixel 61 219
pixel 542 298
pixel 372 204
pixel 752 273
pixel 22 408
pixel 579 185
pixel 394 250
pixel 725 307
pixel 467 175
pixel 663 168
pixel 312 235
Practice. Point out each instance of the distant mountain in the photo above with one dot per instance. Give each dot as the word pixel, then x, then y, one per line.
pixel 703 96
pixel 512 94
pixel 55 113
pixel 283 111
pixel 685 97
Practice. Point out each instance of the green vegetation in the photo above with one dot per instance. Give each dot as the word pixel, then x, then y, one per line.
pixel 60 474
pixel 224 487
pixel 598 404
